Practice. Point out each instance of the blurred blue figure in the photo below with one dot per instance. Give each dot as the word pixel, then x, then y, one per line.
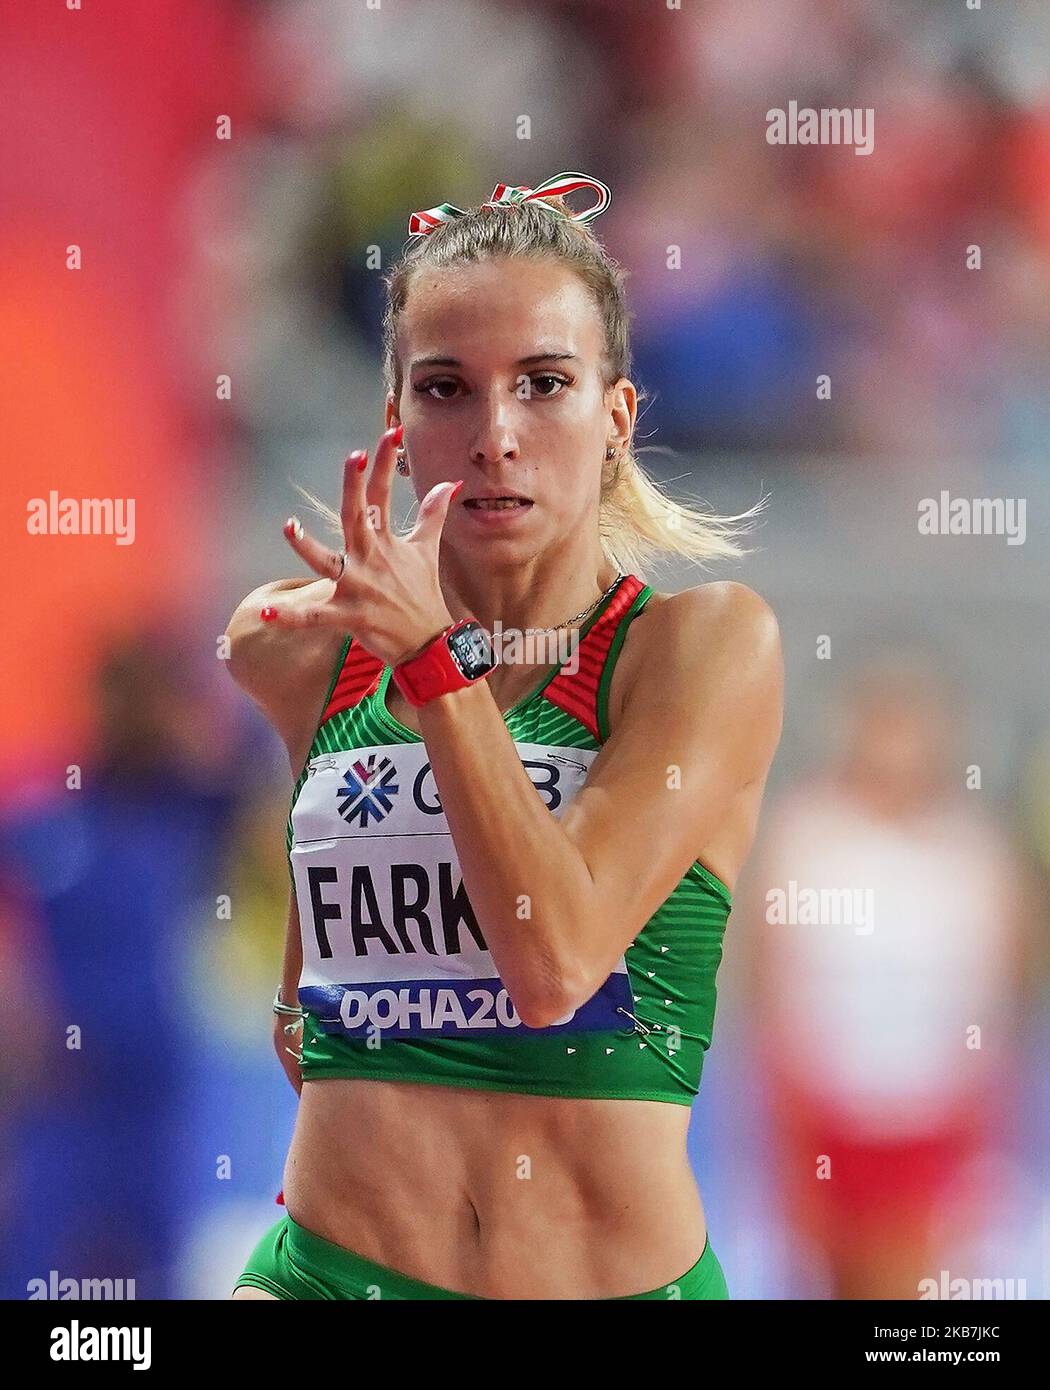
pixel 111 874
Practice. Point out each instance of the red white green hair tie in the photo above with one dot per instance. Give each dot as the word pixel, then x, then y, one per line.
pixel 423 222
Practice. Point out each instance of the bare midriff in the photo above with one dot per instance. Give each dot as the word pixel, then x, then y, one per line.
pixel 498 1195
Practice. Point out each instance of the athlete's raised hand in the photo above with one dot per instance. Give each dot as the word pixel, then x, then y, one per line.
pixel 384 588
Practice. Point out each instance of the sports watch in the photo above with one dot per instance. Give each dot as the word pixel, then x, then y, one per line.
pixel 457 657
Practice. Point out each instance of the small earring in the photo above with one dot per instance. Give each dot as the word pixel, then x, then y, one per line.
pixel 610 452
pixel 402 463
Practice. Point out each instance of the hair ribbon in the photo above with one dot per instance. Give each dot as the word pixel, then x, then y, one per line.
pixel 423 222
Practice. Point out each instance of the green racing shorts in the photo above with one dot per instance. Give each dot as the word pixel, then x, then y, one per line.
pixel 291 1262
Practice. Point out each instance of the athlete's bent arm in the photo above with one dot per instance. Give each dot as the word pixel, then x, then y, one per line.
pixel 285 671
pixel 281 668
pixel 560 901
pixel 287 1033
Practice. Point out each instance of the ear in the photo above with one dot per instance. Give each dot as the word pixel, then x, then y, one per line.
pixel 622 403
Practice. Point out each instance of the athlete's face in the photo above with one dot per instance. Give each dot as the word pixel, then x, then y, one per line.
pixel 502 386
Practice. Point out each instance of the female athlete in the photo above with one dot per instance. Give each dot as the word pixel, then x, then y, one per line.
pixel 509 884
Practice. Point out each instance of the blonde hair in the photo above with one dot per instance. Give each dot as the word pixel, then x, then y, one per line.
pixel 638 520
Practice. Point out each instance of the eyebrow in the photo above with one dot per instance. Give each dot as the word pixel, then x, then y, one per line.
pixel 555 356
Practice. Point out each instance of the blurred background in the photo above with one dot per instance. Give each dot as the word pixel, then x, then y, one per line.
pixel 145 263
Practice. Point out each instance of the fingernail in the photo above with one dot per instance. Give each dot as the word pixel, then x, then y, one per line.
pixel 268 614
pixel 358 457
pixel 452 494
pixel 293 527
pixel 398 433
pixel 362 463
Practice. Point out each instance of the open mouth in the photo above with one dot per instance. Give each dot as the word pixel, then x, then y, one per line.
pixel 497 504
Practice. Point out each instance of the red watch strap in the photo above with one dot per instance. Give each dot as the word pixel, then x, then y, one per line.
pixel 432 671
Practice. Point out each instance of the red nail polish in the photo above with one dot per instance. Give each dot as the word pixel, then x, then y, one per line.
pixel 279 1199
pixel 293 528
pixel 268 614
pixel 399 434
pixel 362 463
pixel 455 490
pixel 356 457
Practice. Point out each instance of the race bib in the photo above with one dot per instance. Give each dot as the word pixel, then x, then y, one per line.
pixel 390 940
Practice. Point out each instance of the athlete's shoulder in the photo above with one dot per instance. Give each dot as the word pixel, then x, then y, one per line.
pixel 716 645
pixel 721 614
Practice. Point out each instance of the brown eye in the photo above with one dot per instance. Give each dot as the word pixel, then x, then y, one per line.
pixel 548 376
pixel 427 388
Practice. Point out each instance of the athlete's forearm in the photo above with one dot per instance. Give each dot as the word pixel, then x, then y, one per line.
pixel 529 885
pixel 289 1045
pixel 293 955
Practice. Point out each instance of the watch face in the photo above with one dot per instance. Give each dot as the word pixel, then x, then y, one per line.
pixel 472 651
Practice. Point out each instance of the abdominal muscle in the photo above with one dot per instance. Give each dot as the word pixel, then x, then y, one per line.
pixel 498 1195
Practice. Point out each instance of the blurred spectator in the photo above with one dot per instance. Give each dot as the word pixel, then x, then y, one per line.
pixel 107 877
pixel 890 1029
pixel 242 1106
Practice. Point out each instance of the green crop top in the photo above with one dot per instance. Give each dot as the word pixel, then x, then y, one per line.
pixel 397 982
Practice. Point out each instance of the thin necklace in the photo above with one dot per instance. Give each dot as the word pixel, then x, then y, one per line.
pixel 578 617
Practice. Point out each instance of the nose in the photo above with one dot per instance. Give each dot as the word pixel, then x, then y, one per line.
pixel 495 438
